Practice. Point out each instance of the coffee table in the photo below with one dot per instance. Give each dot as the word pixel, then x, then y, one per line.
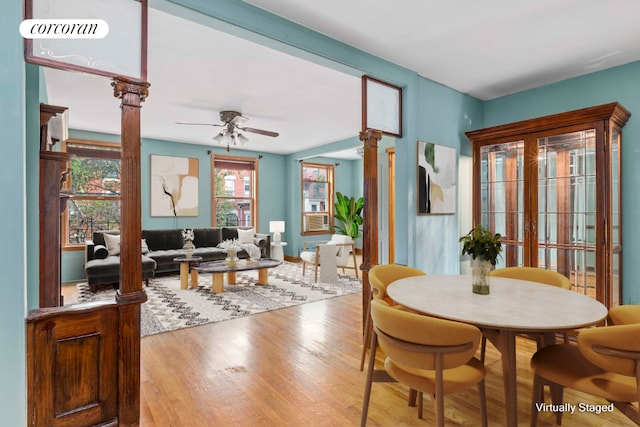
pixel 219 268
pixel 186 264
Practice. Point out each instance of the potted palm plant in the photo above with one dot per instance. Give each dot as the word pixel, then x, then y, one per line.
pixel 484 248
pixel 347 211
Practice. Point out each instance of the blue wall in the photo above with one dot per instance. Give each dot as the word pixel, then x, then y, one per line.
pixel 13 245
pixel 620 84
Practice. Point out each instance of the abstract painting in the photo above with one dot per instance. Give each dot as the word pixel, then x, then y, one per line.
pixel 174 186
pixel 437 177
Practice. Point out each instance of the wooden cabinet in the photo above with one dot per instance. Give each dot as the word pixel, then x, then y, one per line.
pixel 551 186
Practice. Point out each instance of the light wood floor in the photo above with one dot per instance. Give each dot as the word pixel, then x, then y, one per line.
pixel 300 367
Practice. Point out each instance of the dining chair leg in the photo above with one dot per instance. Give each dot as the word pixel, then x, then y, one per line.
pixel 536 398
pixel 556 399
pixel 420 404
pixel 367 388
pixel 368 329
pixel 315 279
pixel 483 404
pixel 413 397
pixel 483 348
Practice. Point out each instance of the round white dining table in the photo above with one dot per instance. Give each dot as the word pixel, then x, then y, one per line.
pixel 512 307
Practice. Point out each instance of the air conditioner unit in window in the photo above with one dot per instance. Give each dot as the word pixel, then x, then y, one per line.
pixel 318 222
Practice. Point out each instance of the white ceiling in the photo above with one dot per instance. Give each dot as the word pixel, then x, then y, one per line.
pixel 487 49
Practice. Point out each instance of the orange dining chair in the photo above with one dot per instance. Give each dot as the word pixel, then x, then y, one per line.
pixel 380 276
pixel 624 315
pixel 605 363
pixel 431 355
pixel 532 274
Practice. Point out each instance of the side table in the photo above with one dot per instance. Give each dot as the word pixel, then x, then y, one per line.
pixel 185 266
pixel 276 250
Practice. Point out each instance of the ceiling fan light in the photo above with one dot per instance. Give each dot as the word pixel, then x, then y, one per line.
pixel 218 137
pixel 242 139
pixel 227 139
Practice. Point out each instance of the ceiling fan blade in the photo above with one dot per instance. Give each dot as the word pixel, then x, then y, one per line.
pixel 239 119
pixel 199 124
pixel 260 131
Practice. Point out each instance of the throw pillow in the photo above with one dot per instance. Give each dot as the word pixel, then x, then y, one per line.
pixel 113 243
pixel 100 252
pixel 145 248
pixel 246 236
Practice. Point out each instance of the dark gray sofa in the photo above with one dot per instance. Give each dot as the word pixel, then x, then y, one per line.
pixel 164 245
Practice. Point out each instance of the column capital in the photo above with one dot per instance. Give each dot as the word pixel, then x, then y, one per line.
pixel 370 135
pixel 124 85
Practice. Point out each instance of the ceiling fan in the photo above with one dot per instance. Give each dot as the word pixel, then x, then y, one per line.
pixel 232 122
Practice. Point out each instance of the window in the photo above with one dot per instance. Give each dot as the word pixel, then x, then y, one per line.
pixel 317 198
pixel 94 185
pixel 234 191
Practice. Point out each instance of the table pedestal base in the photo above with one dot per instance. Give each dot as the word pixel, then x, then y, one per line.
pixel 217 280
pixel 184 276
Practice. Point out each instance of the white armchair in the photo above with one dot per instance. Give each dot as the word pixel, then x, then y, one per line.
pixel 344 248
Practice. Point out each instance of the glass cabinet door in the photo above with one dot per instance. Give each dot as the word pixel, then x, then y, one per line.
pixel 502 197
pixel 566 207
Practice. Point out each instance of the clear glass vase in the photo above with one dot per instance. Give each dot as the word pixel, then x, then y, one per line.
pixel 232 258
pixel 480 269
pixel 188 249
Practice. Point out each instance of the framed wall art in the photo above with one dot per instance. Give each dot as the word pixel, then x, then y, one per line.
pixel 381 106
pixel 437 178
pixel 174 186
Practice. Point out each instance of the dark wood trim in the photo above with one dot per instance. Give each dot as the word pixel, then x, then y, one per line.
pixel 614 111
pixel 130 294
pixel 370 137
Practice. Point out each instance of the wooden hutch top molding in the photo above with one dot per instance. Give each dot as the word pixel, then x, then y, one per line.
pixel 613 111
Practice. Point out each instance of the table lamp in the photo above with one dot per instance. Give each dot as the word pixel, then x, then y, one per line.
pixel 276 227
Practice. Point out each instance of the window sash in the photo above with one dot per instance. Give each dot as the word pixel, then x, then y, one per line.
pixel 73 235
pixel 317 193
pixel 237 207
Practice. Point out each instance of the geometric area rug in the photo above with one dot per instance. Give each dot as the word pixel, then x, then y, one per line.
pixel 169 308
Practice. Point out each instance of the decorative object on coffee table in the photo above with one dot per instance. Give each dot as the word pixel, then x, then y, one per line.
pixel 484 248
pixel 231 248
pixel 188 242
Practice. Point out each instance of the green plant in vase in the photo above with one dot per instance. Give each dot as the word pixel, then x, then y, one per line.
pixel 484 248
pixel 347 211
